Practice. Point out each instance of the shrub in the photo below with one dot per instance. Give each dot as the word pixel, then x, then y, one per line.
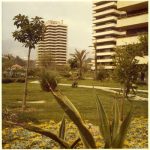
pixel 65 74
pixel 48 78
pixel 75 84
pixel 8 80
pixel 102 74
pixel 11 80
pixel 20 80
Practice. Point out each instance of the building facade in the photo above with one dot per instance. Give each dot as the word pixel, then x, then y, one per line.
pixel 134 22
pixel 117 23
pixel 53 48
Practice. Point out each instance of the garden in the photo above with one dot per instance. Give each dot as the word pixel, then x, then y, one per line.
pixel 71 106
pixel 44 112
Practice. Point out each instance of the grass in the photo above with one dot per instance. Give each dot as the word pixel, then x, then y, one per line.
pixel 82 98
pixel 106 83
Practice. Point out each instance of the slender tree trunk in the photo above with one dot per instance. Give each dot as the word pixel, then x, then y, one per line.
pixel 26 82
pixel 122 104
pixel 80 71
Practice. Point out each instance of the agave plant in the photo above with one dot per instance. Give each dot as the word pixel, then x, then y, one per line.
pixel 113 132
pixel 74 115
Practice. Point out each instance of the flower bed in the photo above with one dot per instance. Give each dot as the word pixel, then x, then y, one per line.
pixel 19 138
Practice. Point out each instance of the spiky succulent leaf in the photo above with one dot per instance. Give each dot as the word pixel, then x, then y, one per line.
pixel 115 121
pixel 74 115
pixel 62 128
pixel 103 123
pixel 118 142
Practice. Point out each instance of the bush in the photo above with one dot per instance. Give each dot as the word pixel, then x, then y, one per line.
pixel 20 80
pixel 65 74
pixel 48 78
pixel 11 80
pixel 75 84
pixel 102 74
pixel 141 83
pixel 8 80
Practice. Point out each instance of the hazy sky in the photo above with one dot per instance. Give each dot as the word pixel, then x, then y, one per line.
pixel 77 14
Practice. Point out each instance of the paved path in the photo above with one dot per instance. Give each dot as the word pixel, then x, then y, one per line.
pixel 107 89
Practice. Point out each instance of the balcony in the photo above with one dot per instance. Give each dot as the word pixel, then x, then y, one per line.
pixel 52 41
pixel 106 19
pixel 104 6
pixel 61 30
pixel 105 47
pixel 105 26
pixel 61 53
pixel 133 21
pixel 127 40
pixel 105 53
pixel 46 48
pixel 61 47
pixel 50 33
pixel 50 30
pixel 106 12
pixel 108 67
pixel 104 60
pixel 109 32
pixel 50 38
pixel 46 45
pixel 131 5
pixel 106 40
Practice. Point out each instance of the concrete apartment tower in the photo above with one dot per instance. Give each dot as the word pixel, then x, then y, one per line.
pixel 117 23
pixel 54 44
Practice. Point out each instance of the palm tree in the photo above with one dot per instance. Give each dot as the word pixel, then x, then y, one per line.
pixel 80 56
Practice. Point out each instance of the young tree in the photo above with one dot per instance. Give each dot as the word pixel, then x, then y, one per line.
pixel 80 56
pixel 126 68
pixel 29 32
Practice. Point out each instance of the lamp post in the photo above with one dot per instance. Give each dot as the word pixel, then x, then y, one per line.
pixel 95 46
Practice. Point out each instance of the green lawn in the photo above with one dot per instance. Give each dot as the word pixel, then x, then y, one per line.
pixel 82 98
pixel 106 83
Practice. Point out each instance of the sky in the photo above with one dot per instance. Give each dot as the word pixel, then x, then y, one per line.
pixel 77 14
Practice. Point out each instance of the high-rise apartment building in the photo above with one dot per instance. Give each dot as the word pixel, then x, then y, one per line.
pixel 117 23
pixel 54 45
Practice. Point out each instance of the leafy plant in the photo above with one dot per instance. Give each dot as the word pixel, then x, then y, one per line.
pixel 126 69
pixel 48 77
pixel 113 132
pixel 74 115
pixel 102 73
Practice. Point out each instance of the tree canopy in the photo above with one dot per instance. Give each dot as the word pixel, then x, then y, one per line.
pixel 80 56
pixel 28 32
